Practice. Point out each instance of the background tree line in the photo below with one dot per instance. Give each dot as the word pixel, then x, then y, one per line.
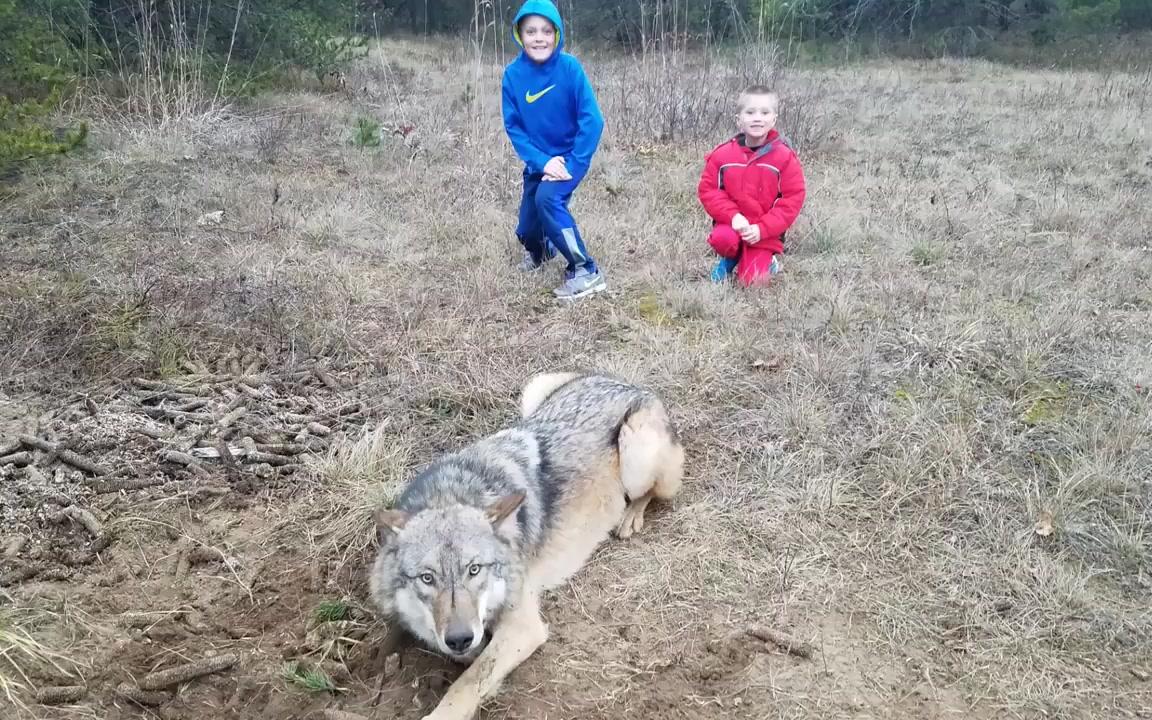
pixel 151 53
pixel 627 22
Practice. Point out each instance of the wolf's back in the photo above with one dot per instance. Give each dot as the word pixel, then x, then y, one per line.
pixel 588 410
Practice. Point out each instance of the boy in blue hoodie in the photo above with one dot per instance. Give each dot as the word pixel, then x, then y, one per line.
pixel 554 123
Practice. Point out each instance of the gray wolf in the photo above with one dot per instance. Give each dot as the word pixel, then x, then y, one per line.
pixel 478 535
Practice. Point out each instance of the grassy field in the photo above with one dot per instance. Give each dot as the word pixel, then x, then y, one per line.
pixel 926 450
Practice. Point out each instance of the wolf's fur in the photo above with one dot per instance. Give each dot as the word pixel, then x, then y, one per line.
pixel 478 535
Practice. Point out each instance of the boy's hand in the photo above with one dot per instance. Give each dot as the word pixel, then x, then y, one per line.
pixel 556 170
pixel 750 234
pixel 739 222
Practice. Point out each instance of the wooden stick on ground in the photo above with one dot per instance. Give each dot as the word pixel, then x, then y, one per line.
pixel 142 697
pixel 785 642
pixel 111 486
pixel 82 516
pixel 20 459
pixel 66 456
pixel 189 671
pixel 60 694
pixel 166 414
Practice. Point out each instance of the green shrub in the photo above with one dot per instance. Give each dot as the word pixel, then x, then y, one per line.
pixel 37 65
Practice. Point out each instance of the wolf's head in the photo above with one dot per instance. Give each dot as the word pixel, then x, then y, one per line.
pixel 445 573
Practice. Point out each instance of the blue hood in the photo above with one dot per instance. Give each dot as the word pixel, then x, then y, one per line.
pixel 546 9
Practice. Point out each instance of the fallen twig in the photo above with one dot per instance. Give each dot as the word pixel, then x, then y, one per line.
pixel 7 447
pixel 249 390
pixel 262 457
pixel 20 574
pixel 20 459
pixel 142 697
pixel 154 433
pixel 166 414
pixel 232 416
pixel 349 409
pixel 785 642
pixel 208 492
pixel 60 694
pixel 163 387
pixel 283 448
pixel 175 456
pixel 235 378
pixel 66 456
pixel 188 671
pixel 82 516
pixel 188 461
pixel 194 404
pixel 111 486
pixel 326 379
pixel 317 429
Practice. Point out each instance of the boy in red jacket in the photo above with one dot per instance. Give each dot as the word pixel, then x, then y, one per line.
pixel 752 188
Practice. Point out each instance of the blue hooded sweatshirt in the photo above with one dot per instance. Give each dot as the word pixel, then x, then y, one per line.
pixel 550 108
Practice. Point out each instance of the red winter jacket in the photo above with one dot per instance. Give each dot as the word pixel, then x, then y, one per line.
pixel 765 184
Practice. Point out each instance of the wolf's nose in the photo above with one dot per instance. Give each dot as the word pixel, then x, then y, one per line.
pixel 458 641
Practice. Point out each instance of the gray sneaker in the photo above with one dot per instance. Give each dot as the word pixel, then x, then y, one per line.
pixel 529 264
pixel 580 286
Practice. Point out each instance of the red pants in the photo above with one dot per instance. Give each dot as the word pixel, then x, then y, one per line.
pixel 754 259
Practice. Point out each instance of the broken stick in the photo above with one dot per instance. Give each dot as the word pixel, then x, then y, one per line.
pixel 232 416
pixel 785 642
pixel 272 459
pixel 142 697
pixel 82 516
pixel 20 459
pixel 66 456
pixel 193 404
pixel 166 414
pixel 60 694
pixel 317 429
pixel 186 672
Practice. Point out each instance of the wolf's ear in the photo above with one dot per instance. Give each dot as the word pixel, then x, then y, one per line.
pixel 389 523
pixel 504 508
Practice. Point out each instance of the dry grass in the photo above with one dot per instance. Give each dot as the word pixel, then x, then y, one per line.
pixel 927 446
pixel 24 654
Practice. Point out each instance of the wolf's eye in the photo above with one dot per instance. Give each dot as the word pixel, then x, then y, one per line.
pixel 473 569
pixel 426 578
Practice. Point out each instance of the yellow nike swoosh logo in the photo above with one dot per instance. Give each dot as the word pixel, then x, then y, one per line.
pixel 533 97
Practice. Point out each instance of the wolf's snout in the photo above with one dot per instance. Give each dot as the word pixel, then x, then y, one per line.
pixel 459 639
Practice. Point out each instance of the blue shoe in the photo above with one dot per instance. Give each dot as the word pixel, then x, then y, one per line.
pixel 724 268
pixel 775 267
